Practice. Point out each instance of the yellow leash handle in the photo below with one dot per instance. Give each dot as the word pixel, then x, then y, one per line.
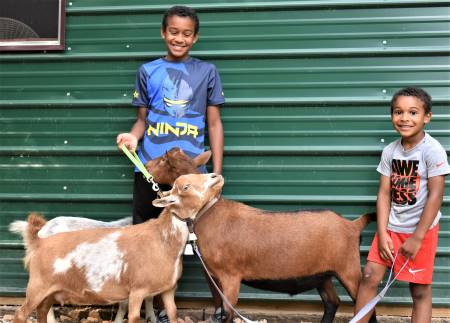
pixel 137 162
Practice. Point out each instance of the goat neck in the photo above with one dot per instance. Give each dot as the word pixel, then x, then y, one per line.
pixel 209 205
pixel 171 227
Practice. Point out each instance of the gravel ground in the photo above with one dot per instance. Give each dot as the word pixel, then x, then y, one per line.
pixel 70 314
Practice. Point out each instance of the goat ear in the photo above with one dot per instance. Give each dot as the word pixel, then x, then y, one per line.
pixel 203 158
pixel 164 201
pixel 165 193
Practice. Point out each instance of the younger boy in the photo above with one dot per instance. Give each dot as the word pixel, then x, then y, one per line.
pixel 410 194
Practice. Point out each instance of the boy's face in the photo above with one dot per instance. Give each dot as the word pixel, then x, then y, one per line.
pixel 409 118
pixel 179 37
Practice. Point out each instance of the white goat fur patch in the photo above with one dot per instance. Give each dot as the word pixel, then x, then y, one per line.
pixel 69 223
pixel 178 225
pixel 100 260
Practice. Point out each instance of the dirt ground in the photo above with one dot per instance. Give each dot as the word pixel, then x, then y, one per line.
pixel 70 314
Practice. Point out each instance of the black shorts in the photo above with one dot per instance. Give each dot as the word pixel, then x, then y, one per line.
pixel 143 195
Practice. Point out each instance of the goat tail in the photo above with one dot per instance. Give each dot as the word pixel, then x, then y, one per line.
pixel 35 223
pixel 365 219
pixel 29 232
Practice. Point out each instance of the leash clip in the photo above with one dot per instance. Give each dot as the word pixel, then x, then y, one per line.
pixel 137 162
pixel 155 185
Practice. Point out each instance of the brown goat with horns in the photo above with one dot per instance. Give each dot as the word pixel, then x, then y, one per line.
pixel 289 252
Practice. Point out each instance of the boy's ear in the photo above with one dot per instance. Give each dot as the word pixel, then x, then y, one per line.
pixel 427 118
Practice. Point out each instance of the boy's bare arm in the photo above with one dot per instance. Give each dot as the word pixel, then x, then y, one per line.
pixel 215 131
pixel 130 139
pixel 386 247
pixel 436 187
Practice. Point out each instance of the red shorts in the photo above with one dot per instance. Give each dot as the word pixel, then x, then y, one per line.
pixel 419 270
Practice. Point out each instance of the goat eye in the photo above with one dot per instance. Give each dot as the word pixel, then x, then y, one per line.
pixel 186 187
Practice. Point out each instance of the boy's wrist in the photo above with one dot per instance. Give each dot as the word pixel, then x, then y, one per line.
pixel 134 135
pixel 382 232
pixel 418 236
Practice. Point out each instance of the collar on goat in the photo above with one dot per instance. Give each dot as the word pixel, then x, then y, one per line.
pixel 190 222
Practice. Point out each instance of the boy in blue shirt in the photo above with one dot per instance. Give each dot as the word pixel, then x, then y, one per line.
pixel 410 195
pixel 177 96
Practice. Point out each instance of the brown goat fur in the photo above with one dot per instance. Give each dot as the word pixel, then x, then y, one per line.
pixel 279 251
pixel 36 222
pixel 108 265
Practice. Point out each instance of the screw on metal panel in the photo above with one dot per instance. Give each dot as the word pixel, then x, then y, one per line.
pixel 127 46
pixel 382 139
pixel 69 48
pixel 70 3
pixel 384 91
pixel 68 93
pixel 124 94
pixel 65 142
pixel 384 42
pixel 64 188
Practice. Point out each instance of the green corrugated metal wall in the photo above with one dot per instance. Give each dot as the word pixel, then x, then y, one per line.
pixel 307 86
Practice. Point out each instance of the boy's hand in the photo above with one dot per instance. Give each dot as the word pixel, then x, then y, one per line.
pixel 410 247
pixel 385 246
pixel 128 139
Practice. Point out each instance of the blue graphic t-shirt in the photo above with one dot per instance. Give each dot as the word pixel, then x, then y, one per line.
pixel 176 95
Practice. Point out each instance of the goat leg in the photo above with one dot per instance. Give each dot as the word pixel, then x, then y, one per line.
pixel 35 295
pixel 121 311
pixel 231 288
pixel 43 310
pixel 134 306
pixel 217 300
pixel 149 312
pixel 330 300
pixel 168 298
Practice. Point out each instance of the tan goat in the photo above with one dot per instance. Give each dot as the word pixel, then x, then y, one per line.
pixel 70 223
pixel 288 252
pixel 104 266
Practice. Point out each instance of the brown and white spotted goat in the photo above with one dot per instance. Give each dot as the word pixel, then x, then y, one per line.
pixel 288 252
pixel 71 223
pixel 104 266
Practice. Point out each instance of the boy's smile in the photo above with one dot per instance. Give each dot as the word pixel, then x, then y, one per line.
pixel 179 37
pixel 409 119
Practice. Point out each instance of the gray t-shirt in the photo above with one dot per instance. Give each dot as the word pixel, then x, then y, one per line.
pixel 409 172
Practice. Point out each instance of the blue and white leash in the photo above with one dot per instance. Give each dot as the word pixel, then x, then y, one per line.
pixel 371 304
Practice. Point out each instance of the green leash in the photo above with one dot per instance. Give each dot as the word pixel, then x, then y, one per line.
pixel 137 162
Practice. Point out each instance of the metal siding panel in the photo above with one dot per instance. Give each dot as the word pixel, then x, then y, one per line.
pixel 307 84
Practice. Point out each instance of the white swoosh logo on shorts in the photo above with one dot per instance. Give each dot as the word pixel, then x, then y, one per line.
pixel 413 272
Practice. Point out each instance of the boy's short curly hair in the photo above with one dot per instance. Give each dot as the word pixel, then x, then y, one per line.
pixel 181 11
pixel 416 92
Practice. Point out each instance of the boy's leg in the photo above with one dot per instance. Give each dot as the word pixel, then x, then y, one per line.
pixel 372 275
pixel 422 305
